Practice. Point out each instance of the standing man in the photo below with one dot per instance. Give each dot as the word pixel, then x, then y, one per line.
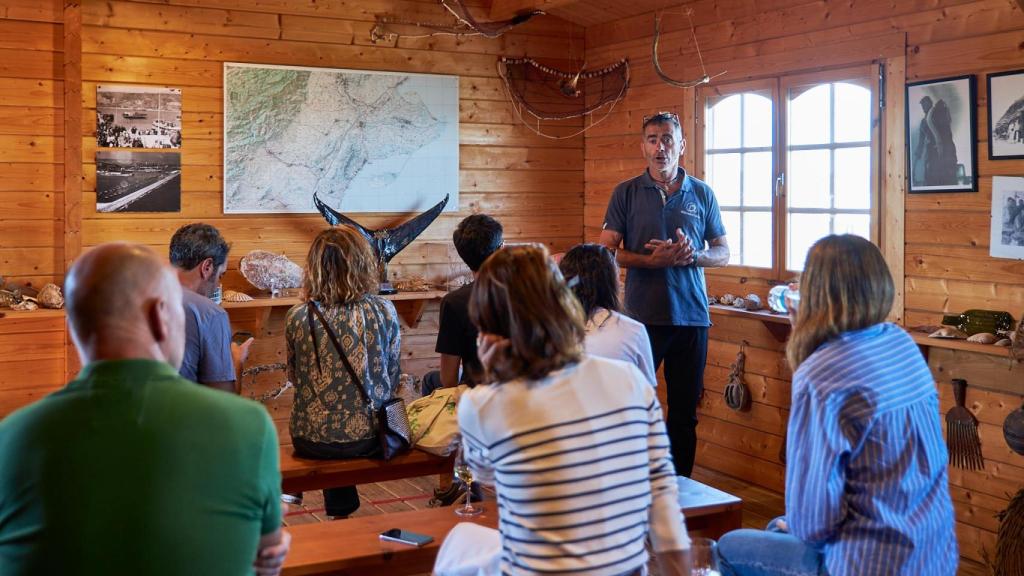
pixel 129 469
pixel 662 219
pixel 200 256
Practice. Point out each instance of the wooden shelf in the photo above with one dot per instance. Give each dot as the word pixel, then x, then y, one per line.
pixel 409 305
pixel 778 324
pixel 31 314
pixel 924 341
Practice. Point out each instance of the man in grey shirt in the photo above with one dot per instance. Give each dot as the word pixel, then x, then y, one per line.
pixel 200 256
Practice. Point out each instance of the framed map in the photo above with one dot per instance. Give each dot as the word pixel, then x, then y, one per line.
pixel 364 141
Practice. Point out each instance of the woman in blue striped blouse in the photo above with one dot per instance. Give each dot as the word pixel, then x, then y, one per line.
pixel 575 445
pixel 867 490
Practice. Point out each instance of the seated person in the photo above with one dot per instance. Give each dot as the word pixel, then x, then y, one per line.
pixel 475 238
pixel 867 490
pixel 590 270
pixel 200 256
pixel 131 469
pixel 575 445
pixel 330 419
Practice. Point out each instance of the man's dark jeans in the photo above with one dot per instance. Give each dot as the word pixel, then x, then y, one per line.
pixel 684 350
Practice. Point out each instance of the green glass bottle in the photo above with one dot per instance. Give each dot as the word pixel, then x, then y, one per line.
pixel 977 321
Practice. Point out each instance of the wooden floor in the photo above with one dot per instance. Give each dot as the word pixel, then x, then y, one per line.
pixel 759 505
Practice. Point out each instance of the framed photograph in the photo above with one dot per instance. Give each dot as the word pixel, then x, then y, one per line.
pixel 1007 231
pixel 130 181
pixel 1006 115
pixel 942 127
pixel 138 117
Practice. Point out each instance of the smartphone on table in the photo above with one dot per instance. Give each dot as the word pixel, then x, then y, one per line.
pixel 406 537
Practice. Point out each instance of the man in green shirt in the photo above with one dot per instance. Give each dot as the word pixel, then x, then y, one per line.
pixel 131 469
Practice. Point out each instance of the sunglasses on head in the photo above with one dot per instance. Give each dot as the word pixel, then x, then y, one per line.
pixel 662 116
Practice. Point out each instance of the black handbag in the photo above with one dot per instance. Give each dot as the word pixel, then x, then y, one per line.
pixel 393 431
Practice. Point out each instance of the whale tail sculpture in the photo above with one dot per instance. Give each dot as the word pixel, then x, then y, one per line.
pixel 386 242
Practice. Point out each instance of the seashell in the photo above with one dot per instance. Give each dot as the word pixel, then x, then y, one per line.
pixel 753 302
pixel 50 297
pixel 947 332
pixel 269 271
pixel 983 338
pixel 1005 342
pixel 25 305
pixel 727 299
pixel 8 298
pixel 712 300
pixel 739 302
pixel 232 296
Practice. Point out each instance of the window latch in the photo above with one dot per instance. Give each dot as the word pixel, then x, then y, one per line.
pixel 780 183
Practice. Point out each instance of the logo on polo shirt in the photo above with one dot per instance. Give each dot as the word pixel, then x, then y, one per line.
pixel 690 209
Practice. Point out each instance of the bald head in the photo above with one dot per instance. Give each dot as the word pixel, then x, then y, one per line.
pixel 123 302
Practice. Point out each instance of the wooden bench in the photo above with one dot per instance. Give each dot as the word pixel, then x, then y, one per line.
pixel 353 546
pixel 301 474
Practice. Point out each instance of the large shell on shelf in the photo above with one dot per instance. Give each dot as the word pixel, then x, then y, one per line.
pixel 8 298
pixel 752 302
pixel 269 271
pixel 50 297
pixel 25 305
pixel 984 338
pixel 232 296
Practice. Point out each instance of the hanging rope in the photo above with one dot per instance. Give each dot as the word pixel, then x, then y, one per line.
pixel 705 79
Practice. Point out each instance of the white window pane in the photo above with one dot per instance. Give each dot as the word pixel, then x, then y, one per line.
pixel 724 123
pixel 853 178
pixel 859 224
pixel 803 231
pixel 808 179
pixel 757 121
pixel 723 172
pixel 853 113
pixel 757 179
pixel 809 113
pixel 731 221
pixel 757 239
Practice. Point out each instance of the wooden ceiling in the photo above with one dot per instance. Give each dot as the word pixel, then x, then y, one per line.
pixel 582 12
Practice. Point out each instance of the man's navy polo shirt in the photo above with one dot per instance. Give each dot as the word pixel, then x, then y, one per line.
pixel 674 296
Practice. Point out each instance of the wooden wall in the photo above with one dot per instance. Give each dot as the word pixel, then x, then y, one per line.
pixel 32 349
pixel 533 185
pixel 946 252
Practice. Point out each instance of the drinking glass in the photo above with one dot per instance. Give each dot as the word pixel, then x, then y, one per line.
pixel 464 473
pixel 703 557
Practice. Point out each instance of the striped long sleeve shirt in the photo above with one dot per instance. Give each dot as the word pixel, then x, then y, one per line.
pixel 866 477
pixel 581 466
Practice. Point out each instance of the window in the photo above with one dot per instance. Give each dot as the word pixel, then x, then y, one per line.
pixel 788 170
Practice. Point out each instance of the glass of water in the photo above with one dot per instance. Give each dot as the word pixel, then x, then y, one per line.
pixel 704 557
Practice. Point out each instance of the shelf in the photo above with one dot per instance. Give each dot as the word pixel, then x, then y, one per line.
pixel 778 324
pixel 924 341
pixel 409 305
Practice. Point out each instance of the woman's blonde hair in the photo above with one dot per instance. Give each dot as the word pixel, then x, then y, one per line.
pixel 340 267
pixel 519 294
pixel 845 286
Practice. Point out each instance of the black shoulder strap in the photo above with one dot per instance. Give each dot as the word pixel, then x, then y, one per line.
pixel 310 306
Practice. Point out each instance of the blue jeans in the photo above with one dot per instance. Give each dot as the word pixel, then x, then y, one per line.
pixel 768 553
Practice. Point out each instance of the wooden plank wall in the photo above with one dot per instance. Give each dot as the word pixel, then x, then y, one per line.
pixel 946 250
pixel 32 349
pixel 533 185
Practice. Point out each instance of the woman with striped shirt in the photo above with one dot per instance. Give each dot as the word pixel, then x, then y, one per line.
pixel 575 445
pixel 867 490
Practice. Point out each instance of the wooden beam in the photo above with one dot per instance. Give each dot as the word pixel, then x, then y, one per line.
pixel 72 212
pixel 894 182
pixel 502 9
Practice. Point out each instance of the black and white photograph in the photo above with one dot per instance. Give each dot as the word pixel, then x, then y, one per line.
pixel 1006 115
pixel 138 117
pixel 942 126
pixel 1007 239
pixel 138 181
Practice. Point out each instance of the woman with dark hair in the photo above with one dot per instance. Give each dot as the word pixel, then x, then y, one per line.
pixel 590 270
pixel 867 490
pixel 575 445
pixel 341 324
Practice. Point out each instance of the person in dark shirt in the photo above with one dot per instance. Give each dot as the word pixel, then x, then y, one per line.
pixel 476 238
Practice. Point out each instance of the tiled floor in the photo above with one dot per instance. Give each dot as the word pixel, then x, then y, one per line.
pixel 759 505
